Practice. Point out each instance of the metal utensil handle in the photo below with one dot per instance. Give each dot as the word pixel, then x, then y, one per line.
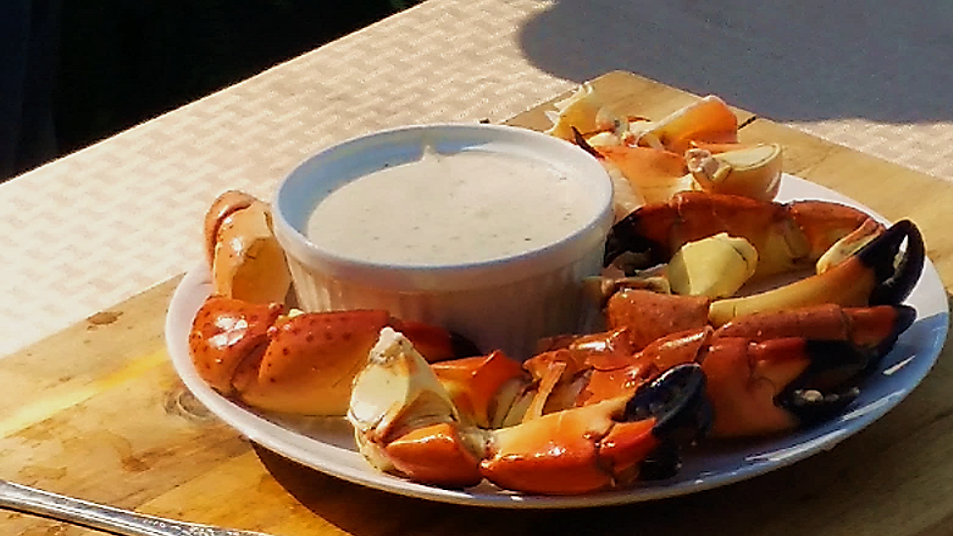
pixel 96 516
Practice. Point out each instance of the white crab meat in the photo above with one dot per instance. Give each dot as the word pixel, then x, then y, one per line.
pixel 715 267
pixel 585 111
pixel 396 392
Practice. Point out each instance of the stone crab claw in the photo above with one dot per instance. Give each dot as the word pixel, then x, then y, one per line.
pixel 773 372
pixel 770 371
pixel 787 236
pixel 406 422
pixel 778 385
pixel 878 274
pixel 640 316
pixel 857 262
pixel 244 257
pixel 600 446
pixel 294 362
pixel 873 330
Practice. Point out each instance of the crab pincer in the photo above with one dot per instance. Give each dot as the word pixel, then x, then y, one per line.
pixel 787 236
pixel 873 330
pixel 881 269
pixel 601 446
pixel 295 362
pixel 778 385
pixel 767 372
pixel 407 423
pixel 879 273
pixel 770 373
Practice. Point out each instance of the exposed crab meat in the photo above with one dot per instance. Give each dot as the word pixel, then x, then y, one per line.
pixel 399 409
pixel 768 373
pixel 245 259
pixel 707 120
pixel 406 423
pixel 585 111
pixel 787 236
pixel 753 172
pixel 715 267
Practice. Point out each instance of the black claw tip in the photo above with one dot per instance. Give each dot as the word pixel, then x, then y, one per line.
pixel 812 406
pixel 895 280
pixel 829 383
pixel 462 346
pixel 664 462
pixel 676 399
pixel 624 239
pixel 906 315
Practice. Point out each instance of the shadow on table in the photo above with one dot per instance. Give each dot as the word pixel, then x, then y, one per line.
pixel 790 60
pixel 363 511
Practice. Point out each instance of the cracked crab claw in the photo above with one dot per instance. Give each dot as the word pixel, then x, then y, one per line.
pixel 604 445
pixel 405 421
pixel 708 120
pixel 244 257
pixel 585 111
pixel 752 171
pixel 716 266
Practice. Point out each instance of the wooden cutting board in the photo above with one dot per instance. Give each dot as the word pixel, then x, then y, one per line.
pixel 97 412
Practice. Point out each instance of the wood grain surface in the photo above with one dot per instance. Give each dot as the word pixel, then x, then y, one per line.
pixel 97 412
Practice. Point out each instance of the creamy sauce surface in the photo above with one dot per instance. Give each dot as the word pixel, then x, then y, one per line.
pixel 464 207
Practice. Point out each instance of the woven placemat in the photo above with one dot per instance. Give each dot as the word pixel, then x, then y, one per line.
pixel 91 229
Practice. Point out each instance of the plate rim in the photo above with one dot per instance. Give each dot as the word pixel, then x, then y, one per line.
pixel 294 446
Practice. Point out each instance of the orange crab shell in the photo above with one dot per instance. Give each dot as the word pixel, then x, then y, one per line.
pixel 310 362
pixel 298 363
pixel 436 455
pixel 575 451
pixel 862 326
pixel 225 333
pixel 650 316
pixel 474 383
pixel 616 377
pixel 708 120
pixel 743 379
pixel 653 172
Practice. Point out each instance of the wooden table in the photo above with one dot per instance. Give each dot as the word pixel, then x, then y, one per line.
pixel 97 412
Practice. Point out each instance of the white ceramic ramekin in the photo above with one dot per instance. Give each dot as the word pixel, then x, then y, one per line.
pixel 503 304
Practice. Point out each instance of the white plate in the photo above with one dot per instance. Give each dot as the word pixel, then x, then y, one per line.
pixel 327 444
